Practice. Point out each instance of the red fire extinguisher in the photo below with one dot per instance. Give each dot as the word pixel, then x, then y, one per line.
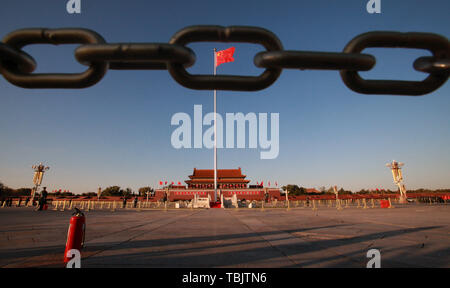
pixel 76 233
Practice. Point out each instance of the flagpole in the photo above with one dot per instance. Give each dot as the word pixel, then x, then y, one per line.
pixel 215 132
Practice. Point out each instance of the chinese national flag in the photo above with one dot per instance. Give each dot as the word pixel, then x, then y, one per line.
pixel 160 183
pixel 224 56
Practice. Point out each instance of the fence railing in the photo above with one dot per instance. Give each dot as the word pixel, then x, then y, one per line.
pixel 314 203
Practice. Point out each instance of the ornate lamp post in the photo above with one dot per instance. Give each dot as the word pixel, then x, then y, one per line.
pixel 338 201
pixel 39 171
pixel 398 178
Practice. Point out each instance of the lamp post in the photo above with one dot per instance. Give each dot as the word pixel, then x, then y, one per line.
pixel 287 197
pixel 398 178
pixel 38 176
pixel 338 201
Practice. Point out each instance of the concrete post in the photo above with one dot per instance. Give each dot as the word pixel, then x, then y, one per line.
pixel 64 205
pixel 314 205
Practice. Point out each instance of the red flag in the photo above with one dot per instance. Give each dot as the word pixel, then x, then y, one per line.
pixel 165 183
pixel 224 56
pixel 160 182
pixel 179 183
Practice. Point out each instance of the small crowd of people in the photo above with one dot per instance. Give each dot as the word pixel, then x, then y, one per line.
pixel 42 201
pixel 135 202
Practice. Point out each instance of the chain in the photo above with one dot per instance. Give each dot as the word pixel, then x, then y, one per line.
pixel 16 66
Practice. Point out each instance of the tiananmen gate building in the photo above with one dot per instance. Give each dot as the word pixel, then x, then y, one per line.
pixel 229 182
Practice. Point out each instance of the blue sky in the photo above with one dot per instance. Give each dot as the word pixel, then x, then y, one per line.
pixel 118 131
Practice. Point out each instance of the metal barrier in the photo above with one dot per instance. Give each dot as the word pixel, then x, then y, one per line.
pixel 16 65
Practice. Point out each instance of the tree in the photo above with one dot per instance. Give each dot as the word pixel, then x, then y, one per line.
pixel 127 192
pixel 112 191
pixel 89 194
pixel 294 189
pixel 2 187
pixel 5 191
pixel 23 192
pixel 144 190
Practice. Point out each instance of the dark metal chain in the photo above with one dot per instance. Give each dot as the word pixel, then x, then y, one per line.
pixel 16 66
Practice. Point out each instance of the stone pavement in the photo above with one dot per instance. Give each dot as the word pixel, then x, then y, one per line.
pixel 407 236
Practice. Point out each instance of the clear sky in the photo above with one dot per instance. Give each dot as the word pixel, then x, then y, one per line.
pixel 118 131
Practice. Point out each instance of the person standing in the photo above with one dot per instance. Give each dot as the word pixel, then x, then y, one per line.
pixel 40 204
pixel 42 199
pixel 44 194
pixel 135 201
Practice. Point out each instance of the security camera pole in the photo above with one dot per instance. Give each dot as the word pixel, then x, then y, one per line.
pixel 39 171
pixel 398 178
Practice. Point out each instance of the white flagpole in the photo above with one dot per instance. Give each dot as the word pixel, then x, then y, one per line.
pixel 215 132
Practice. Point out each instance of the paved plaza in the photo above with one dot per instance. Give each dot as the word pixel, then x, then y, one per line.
pixel 414 235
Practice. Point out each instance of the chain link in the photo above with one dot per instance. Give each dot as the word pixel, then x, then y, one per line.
pixel 225 34
pixel 137 56
pixel 23 37
pixel 436 44
pixel 314 60
pixel 11 57
pixel 16 66
pixel 432 65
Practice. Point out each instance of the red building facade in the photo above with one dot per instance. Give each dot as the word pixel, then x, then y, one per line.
pixel 229 182
pixel 226 179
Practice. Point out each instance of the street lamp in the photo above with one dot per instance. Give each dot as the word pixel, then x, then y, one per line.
pixel 398 178
pixel 39 171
